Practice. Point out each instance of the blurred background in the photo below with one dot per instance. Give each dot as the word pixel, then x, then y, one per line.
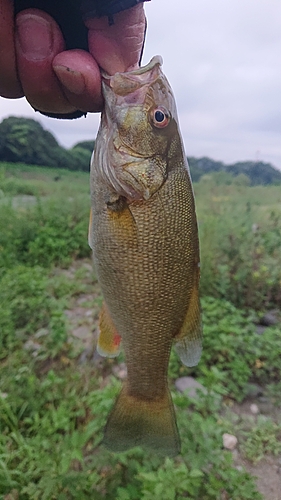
pixel 223 61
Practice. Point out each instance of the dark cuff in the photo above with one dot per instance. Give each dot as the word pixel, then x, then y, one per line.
pixel 64 116
pixel 100 8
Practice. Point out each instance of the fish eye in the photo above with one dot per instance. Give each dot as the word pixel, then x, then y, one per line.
pixel 160 117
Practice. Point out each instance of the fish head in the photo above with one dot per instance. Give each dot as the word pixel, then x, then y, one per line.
pixel 139 127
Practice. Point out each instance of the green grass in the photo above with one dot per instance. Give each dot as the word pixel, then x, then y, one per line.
pixel 50 444
pixel 240 235
pixel 19 180
pixel 53 409
pixel 239 226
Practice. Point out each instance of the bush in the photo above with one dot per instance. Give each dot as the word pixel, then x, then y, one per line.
pixel 240 248
pixel 51 232
pixel 28 305
pixel 82 158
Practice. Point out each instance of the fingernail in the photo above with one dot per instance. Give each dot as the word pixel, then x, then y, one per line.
pixel 73 80
pixel 35 37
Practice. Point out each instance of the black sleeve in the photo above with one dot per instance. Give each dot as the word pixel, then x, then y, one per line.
pixel 99 8
pixel 69 14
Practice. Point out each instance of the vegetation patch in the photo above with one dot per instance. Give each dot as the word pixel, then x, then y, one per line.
pixel 54 402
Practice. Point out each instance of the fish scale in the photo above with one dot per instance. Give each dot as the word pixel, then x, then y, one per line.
pixel 144 237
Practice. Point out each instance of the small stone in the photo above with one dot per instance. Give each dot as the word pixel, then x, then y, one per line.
pixel 3 395
pixel 263 399
pixel 270 318
pixel 120 371
pixel 229 441
pixel 30 345
pixel 254 409
pixel 81 332
pixel 82 300
pixel 85 355
pixel 43 332
pixel 190 386
pixel 13 495
pixel 239 467
pixel 254 390
pixel 255 227
pixel 88 266
pixel 260 329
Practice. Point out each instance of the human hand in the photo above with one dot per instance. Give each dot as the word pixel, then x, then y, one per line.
pixel 35 64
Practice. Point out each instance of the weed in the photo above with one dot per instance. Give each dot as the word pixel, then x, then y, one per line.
pixel 27 305
pixel 264 438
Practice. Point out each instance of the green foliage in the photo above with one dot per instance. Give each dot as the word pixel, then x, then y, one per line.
pixel 233 354
pixel 86 145
pixel 263 438
pixel 240 244
pixel 50 446
pixel 241 173
pixel 50 232
pixel 242 180
pixel 82 157
pixel 14 187
pixel 25 140
pixel 257 171
pixel 222 178
pixel 28 305
pixel 268 367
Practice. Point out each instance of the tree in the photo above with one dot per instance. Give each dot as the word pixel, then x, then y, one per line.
pixel 24 140
pixel 88 145
pixel 82 157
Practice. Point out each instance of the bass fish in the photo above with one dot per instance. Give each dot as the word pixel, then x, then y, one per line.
pixel 144 237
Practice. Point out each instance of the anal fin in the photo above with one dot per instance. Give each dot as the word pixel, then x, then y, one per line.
pixel 109 340
pixel 188 342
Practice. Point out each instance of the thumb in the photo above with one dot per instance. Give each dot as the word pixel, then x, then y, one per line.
pixel 118 47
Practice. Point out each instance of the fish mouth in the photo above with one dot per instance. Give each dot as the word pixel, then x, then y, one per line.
pixel 126 83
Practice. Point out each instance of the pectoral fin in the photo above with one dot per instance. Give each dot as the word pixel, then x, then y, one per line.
pixel 109 340
pixel 188 342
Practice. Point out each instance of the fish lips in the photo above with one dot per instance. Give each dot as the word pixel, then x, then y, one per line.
pixel 123 84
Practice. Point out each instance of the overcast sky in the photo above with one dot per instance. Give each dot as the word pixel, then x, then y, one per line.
pixel 223 60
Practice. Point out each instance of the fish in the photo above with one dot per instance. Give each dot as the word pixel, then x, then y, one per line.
pixel 144 236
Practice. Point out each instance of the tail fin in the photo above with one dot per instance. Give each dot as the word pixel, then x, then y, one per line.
pixel 135 422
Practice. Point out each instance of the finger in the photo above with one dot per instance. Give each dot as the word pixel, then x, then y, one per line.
pixel 9 83
pixel 117 48
pixel 79 76
pixel 38 41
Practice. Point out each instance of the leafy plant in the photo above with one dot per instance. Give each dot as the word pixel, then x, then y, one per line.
pixel 27 305
pixel 264 438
